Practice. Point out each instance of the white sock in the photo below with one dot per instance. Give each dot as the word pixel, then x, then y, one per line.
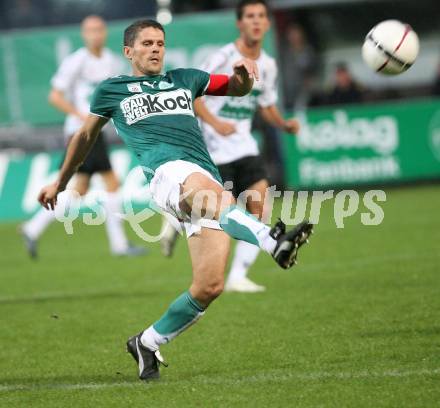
pixel 241 225
pixel 151 339
pixel 266 242
pixel 38 223
pixel 245 255
pixel 115 229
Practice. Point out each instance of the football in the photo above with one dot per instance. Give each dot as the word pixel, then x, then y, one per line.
pixel 391 47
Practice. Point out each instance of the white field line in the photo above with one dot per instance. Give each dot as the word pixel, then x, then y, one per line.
pixel 257 378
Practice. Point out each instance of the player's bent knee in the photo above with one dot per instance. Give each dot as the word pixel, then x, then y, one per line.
pixel 210 293
pixel 207 293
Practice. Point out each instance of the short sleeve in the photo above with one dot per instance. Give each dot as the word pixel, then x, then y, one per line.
pixel 197 81
pixel 101 103
pixel 67 73
pixel 269 95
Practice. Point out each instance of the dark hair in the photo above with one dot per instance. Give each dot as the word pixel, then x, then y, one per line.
pixel 243 3
pixel 131 32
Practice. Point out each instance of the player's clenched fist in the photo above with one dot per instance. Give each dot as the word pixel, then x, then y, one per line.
pixel 48 196
pixel 291 126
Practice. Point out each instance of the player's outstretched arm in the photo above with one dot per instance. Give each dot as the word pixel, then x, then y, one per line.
pixel 79 146
pixel 245 72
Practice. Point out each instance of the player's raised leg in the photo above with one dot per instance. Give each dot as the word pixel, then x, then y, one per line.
pixel 199 190
pixel 209 253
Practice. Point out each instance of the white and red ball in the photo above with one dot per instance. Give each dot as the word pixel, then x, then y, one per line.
pixel 391 47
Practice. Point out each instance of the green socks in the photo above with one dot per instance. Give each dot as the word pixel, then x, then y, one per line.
pixel 181 314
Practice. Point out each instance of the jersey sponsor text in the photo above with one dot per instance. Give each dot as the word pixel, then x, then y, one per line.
pixel 144 105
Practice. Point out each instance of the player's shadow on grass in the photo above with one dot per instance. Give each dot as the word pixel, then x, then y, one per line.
pixel 82 296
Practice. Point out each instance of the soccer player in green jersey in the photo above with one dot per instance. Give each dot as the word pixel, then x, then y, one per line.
pixel 153 113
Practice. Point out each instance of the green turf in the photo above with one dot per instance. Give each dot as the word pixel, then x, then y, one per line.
pixel 355 324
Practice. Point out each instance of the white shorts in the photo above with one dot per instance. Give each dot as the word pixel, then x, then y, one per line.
pixel 165 190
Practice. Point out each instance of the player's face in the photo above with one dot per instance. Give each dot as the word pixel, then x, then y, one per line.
pixel 254 23
pixel 148 51
pixel 94 32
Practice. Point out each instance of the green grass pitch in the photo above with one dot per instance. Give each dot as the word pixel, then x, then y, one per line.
pixel 355 324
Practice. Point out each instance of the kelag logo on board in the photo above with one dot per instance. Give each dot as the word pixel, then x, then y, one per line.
pixel 379 134
pixel 366 147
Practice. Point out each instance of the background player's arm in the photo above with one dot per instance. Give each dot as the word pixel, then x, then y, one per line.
pixel 58 99
pixel 239 84
pixel 79 146
pixel 222 127
pixel 272 115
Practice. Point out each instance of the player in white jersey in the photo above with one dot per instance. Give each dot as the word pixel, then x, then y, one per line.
pixel 72 86
pixel 226 127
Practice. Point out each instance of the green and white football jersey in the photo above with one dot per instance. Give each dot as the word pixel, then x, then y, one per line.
pixel 154 116
pixel 239 111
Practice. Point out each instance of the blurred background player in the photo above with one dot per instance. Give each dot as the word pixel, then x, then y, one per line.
pixel 299 64
pixel 226 127
pixel 72 86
